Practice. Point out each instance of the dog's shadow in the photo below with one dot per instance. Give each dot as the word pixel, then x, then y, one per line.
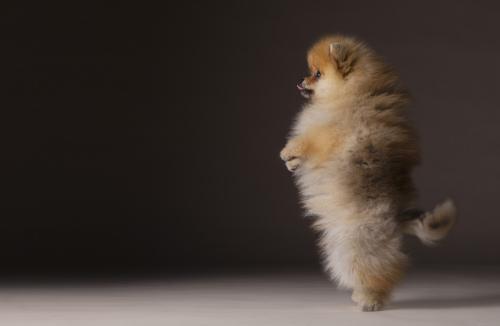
pixel 486 300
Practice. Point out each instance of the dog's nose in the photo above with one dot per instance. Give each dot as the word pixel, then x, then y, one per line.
pixel 299 84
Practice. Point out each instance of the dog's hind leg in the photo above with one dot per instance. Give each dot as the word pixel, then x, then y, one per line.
pixel 377 265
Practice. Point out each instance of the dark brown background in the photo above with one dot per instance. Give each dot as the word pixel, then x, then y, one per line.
pixel 146 139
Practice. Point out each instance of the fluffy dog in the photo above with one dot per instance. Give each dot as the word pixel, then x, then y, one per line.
pixel 352 151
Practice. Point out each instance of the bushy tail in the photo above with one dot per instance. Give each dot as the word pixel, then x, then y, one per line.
pixel 433 226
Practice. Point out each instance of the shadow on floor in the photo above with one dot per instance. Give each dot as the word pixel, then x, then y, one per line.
pixel 489 300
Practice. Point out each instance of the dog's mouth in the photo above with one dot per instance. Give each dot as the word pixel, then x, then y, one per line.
pixel 306 92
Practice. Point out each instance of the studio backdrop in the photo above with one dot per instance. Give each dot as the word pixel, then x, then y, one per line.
pixel 140 139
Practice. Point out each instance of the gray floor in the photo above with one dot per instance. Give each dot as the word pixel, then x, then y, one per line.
pixel 455 297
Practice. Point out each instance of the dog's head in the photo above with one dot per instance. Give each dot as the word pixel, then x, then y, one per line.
pixel 332 62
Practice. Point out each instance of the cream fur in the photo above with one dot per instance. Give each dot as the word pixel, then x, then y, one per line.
pixel 352 150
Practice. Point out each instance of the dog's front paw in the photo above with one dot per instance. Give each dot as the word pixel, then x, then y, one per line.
pixel 294 149
pixel 293 164
pixel 291 154
pixel 287 154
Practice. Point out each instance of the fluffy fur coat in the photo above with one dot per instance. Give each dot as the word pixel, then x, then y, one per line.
pixel 352 151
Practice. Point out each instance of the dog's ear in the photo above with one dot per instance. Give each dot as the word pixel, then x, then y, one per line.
pixel 342 57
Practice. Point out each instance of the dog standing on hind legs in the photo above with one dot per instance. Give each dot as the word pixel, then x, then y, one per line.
pixel 352 150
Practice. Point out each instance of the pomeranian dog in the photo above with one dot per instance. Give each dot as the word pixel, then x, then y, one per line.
pixel 352 150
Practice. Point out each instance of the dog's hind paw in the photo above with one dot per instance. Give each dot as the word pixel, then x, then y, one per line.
pixel 374 306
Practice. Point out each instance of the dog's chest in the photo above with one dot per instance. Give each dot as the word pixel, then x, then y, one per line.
pixel 311 118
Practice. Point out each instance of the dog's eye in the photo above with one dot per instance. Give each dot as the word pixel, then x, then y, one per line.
pixel 318 74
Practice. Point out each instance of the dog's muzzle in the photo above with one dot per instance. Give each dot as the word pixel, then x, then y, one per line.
pixel 306 92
